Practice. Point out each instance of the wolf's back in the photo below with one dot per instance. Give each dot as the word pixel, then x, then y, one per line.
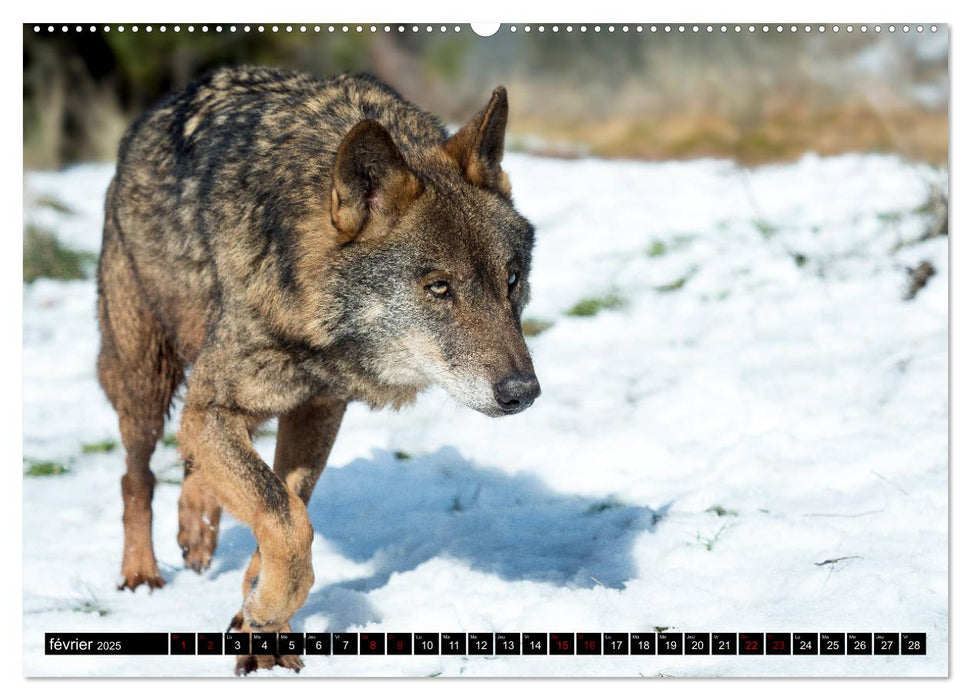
pixel 213 182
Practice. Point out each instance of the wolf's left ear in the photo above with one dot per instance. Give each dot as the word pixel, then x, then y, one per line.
pixel 477 147
pixel 372 182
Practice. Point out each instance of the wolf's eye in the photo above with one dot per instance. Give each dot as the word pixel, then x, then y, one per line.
pixel 439 289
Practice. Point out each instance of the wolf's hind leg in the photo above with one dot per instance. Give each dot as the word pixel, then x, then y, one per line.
pixel 140 430
pixel 139 372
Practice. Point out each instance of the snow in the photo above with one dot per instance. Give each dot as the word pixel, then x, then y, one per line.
pixel 808 404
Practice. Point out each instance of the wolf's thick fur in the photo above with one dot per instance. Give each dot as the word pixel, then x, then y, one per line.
pixel 300 244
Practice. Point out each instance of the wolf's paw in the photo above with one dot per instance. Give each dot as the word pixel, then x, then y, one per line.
pixel 247 663
pixel 269 613
pixel 198 525
pixel 251 662
pixel 133 579
pixel 198 542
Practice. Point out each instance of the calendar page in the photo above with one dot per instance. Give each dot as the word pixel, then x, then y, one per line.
pixel 512 350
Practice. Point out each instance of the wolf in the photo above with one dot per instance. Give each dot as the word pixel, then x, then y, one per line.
pixel 277 245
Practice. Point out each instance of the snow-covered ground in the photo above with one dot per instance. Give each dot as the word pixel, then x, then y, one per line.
pixel 698 455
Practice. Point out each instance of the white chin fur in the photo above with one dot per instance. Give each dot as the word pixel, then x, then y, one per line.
pixel 475 392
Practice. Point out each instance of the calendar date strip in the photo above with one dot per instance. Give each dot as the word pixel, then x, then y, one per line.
pixel 489 643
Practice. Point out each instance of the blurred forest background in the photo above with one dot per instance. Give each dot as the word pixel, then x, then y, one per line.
pixel 755 97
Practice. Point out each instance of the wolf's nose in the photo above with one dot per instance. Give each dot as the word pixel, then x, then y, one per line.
pixel 516 393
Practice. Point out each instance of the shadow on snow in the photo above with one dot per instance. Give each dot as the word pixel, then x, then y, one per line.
pixel 398 514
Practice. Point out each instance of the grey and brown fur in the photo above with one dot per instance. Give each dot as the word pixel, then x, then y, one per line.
pixel 299 244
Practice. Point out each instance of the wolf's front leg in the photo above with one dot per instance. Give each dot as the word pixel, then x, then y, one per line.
pixel 304 440
pixel 217 441
pixel 246 663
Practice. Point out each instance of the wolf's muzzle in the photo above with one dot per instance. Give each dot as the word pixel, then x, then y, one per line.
pixel 516 393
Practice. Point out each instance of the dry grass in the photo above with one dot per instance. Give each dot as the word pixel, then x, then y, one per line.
pixel 783 135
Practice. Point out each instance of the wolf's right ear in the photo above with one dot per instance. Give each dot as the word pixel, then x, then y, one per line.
pixel 371 181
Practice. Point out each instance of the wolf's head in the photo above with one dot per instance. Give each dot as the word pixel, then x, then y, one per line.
pixel 434 262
